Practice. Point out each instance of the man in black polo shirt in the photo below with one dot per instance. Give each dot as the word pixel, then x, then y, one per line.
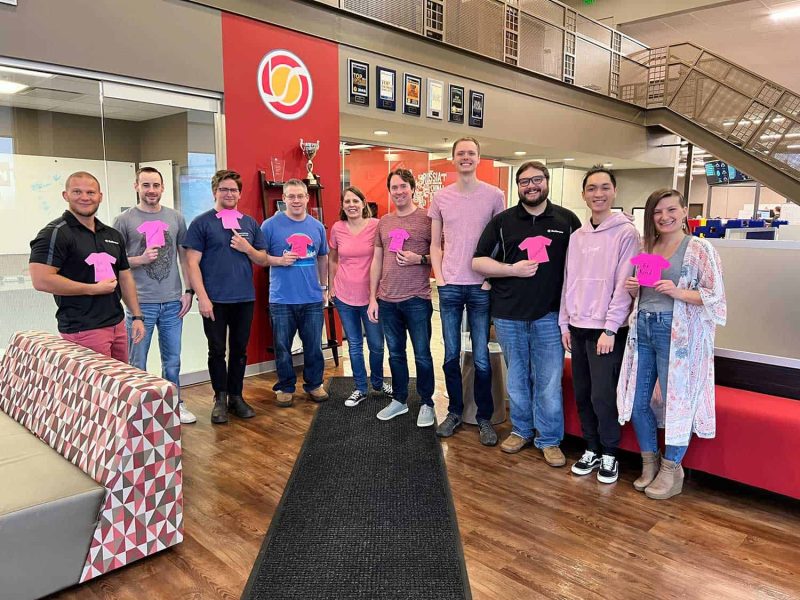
pixel 523 251
pixel 82 262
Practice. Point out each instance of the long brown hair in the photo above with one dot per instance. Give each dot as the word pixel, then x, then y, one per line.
pixel 650 233
pixel 366 213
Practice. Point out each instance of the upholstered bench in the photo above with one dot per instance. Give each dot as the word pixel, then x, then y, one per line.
pixel 101 487
pixel 757 437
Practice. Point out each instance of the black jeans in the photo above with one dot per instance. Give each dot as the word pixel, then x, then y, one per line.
pixel 231 321
pixel 594 379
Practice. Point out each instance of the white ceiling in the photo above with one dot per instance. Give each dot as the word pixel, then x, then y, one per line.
pixel 741 32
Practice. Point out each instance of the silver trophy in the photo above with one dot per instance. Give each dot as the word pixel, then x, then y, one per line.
pixel 310 151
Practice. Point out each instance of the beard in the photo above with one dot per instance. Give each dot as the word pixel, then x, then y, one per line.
pixel 533 203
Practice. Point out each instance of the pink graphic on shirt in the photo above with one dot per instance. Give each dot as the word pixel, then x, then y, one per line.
pixel 299 243
pixel 230 218
pixel 153 232
pixel 396 239
pixel 537 248
pixel 648 268
pixel 101 261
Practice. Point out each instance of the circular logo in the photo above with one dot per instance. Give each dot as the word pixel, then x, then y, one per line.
pixel 285 84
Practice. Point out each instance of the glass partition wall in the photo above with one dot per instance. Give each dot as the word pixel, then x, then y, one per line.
pixel 55 122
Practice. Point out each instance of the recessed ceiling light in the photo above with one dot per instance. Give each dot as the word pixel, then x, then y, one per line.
pixel 28 72
pixel 787 13
pixel 520 152
pixel 608 165
pixel 380 132
pixel 567 159
pixel 11 87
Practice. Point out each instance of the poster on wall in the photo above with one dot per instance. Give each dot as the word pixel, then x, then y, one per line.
pixel 456 104
pixel 359 82
pixel 435 99
pixel 412 94
pixel 475 108
pixel 385 80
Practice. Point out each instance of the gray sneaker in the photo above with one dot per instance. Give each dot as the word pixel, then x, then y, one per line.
pixel 392 410
pixel 448 426
pixel 487 433
pixel 426 417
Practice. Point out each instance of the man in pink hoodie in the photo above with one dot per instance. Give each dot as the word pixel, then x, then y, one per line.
pixel 594 314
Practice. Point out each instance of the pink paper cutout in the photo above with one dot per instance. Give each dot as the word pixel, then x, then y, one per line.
pixel 153 232
pixel 300 243
pixel 648 268
pixel 102 262
pixel 537 248
pixel 230 218
pixel 397 237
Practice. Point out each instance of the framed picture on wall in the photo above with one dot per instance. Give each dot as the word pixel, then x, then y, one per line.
pixel 412 94
pixel 476 107
pixel 359 82
pixel 385 88
pixel 456 112
pixel 435 99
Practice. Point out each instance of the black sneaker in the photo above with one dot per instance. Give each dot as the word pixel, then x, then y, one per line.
pixel 448 426
pixel 355 398
pixel 487 433
pixel 587 463
pixel 609 469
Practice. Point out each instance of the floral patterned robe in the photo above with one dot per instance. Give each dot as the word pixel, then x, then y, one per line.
pixel 689 405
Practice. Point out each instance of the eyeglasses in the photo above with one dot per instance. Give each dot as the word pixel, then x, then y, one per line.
pixel 526 181
pixel 228 190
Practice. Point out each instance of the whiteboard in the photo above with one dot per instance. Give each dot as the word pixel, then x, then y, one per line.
pixel 30 193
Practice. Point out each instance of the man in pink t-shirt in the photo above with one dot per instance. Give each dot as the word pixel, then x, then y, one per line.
pixel 459 213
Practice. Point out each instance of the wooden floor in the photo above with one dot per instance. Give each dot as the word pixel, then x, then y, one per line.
pixel 528 530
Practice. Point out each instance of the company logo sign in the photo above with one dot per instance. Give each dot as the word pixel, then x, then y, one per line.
pixel 285 84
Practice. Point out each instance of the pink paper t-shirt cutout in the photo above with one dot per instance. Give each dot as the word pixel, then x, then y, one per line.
pixel 537 248
pixel 648 268
pixel 230 218
pixel 300 243
pixel 102 262
pixel 396 239
pixel 153 232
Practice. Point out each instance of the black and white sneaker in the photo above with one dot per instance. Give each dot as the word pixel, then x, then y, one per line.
pixel 587 463
pixel 355 398
pixel 609 469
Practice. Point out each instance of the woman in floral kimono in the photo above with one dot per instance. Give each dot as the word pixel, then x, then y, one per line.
pixel 679 301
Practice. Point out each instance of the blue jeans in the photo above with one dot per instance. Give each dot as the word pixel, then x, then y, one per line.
pixel 170 326
pixel 652 355
pixel 287 320
pixel 412 316
pixel 355 322
pixel 452 300
pixel 534 356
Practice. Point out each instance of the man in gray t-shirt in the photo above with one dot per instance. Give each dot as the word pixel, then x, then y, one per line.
pixel 153 236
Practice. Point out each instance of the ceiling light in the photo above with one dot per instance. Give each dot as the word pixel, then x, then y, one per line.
pixel 27 72
pixel 380 132
pixel 11 87
pixel 786 13
pixel 567 159
pixel 519 153
pixel 793 146
pixel 608 165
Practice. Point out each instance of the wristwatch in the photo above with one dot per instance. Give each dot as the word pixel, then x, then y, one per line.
pixel 189 291
pixel 423 260
pixel 609 333
pixel 324 287
pixel 138 318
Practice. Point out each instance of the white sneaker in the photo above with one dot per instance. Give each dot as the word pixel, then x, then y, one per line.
pixel 186 416
pixel 426 416
pixel 355 399
pixel 392 410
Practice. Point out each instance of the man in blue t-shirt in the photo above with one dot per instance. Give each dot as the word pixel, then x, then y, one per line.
pixel 297 253
pixel 221 247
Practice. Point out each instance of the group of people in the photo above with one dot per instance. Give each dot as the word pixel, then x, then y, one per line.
pixel 638 316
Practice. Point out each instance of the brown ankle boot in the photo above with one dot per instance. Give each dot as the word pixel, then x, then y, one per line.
pixel 668 482
pixel 650 463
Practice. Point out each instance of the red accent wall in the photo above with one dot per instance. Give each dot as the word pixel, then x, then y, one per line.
pixel 254 134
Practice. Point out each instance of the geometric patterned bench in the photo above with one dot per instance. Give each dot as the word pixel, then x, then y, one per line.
pixel 117 424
